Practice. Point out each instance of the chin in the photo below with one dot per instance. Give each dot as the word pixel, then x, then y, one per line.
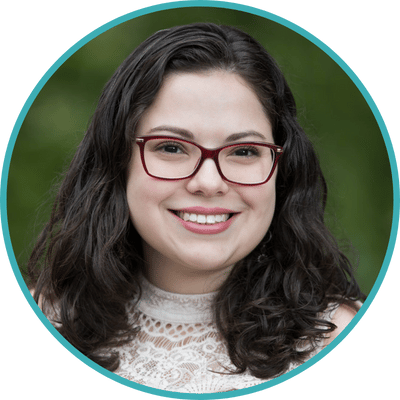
pixel 205 264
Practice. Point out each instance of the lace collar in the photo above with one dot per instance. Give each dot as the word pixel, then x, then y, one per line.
pixel 173 307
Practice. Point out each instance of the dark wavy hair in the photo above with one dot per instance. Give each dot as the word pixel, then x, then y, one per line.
pixel 87 260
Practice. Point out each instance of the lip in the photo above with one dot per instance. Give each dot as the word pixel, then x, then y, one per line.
pixel 206 229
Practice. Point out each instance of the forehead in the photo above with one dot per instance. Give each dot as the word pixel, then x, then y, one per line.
pixel 210 105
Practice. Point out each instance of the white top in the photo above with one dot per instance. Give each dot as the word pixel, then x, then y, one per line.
pixel 178 347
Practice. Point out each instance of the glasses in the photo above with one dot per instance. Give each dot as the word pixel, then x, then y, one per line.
pixel 247 163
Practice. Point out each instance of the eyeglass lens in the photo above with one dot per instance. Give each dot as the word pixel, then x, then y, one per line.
pixel 241 163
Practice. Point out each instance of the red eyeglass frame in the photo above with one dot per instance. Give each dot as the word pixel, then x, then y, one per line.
pixel 209 153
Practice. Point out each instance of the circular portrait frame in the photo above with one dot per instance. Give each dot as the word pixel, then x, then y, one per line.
pixel 225 6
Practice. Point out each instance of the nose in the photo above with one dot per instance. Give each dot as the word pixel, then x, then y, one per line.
pixel 207 181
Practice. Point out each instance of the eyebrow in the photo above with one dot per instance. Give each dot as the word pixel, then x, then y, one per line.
pixel 189 135
pixel 179 131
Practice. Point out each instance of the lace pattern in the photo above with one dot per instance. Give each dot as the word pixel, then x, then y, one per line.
pixel 178 348
pixel 179 357
pixel 173 307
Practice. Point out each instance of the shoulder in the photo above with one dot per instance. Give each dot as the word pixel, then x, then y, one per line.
pixel 40 300
pixel 341 318
pixel 50 309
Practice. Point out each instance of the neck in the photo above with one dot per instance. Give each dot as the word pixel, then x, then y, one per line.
pixel 182 279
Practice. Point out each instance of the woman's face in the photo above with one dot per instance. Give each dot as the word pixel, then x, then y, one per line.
pixel 209 107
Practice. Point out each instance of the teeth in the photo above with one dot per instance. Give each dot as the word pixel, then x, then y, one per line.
pixel 211 219
pixel 203 219
pixel 193 217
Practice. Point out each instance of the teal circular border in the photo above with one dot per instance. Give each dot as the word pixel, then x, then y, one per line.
pixel 211 4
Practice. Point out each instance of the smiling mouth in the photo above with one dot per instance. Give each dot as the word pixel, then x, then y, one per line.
pixel 202 218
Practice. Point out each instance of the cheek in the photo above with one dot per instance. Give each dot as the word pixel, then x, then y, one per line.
pixel 261 200
pixel 265 210
pixel 142 207
pixel 142 197
pixel 146 197
pixel 261 205
pixel 138 191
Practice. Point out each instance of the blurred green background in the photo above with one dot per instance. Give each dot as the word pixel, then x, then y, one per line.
pixel 331 109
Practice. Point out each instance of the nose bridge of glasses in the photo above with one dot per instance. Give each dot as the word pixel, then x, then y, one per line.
pixel 208 154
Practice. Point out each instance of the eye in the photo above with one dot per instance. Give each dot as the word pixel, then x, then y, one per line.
pixel 246 151
pixel 170 147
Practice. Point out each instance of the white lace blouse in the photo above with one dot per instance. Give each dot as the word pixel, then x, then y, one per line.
pixel 178 347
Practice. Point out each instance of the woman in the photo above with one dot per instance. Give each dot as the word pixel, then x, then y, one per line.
pixel 186 249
